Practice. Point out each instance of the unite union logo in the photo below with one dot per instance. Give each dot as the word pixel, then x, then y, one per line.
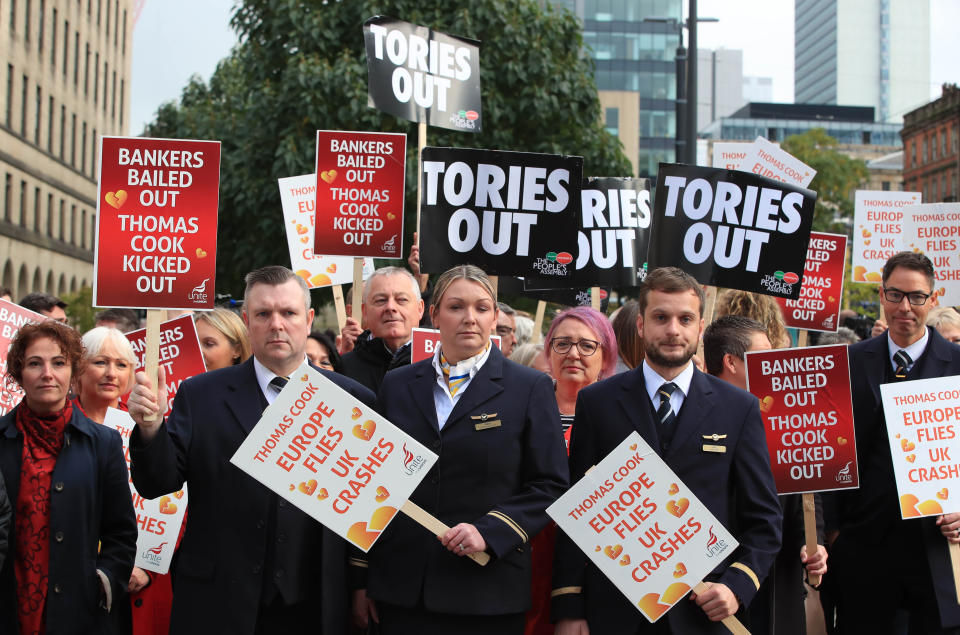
pixel 411 463
pixel 199 292
pixel 715 546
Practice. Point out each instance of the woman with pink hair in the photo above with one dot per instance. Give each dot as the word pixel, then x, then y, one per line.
pixel 581 349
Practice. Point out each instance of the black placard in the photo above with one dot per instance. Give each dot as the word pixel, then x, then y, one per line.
pixel 731 229
pixel 422 75
pixel 614 231
pixel 509 213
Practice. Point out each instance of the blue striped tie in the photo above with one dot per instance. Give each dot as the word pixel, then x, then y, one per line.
pixel 903 362
pixel 665 412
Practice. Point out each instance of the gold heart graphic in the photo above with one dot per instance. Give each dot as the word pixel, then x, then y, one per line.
pixel 116 199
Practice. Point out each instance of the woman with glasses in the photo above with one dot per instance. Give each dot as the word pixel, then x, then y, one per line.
pixel 581 349
pixel 495 428
pixel 322 352
pixel 223 338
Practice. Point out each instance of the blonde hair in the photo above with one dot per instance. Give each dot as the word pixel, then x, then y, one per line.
pixel 527 354
pixel 232 328
pixel 943 315
pixel 462 272
pixel 762 308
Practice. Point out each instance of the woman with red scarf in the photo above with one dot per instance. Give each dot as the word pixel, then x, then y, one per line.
pixel 74 530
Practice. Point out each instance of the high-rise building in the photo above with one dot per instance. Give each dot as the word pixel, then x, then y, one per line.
pixel 719 84
pixel 66 82
pixel 635 72
pixel 863 53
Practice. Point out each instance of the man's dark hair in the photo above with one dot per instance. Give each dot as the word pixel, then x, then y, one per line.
pixel 125 319
pixel 4 291
pixel 669 280
pixel 507 309
pixel 274 275
pixel 912 261
pixel 728 334
pixel 40 302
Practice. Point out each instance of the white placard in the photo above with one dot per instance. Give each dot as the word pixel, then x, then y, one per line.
pixel 934 230
pixel 158 519
pixel 333 457
pixel 923 420
pixel 642 527
pixel 877 230
pixel 767 159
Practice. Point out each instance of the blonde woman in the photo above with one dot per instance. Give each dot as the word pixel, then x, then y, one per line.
pixel 223 338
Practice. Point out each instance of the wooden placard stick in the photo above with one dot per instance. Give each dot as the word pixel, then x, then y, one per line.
pixel 595 298
pixel 955 564
pixel 495 283
pixel 732 623
pixel 802 338
pixel 810 530
pixel 710 302
pixel 340 307
pixel 538 322
pixel 357 287
pixel 151 359
pixel 437 528
pixel 421 144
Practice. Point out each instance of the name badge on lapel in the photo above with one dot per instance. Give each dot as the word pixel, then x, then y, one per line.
pixel 485 421
pixel 713 447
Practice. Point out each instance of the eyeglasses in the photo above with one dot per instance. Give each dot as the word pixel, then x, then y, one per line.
pixel 896 296
pixel 504 331
pixel 562 346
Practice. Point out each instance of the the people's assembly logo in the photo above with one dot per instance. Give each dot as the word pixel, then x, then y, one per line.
pixel 553 264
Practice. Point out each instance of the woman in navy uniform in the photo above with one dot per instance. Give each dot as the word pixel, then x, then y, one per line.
pixel 502 462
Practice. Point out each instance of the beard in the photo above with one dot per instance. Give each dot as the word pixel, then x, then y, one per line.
pixel 674 360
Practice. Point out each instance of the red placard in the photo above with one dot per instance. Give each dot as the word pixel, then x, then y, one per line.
pixel 807 414
pixel 180 355
pixel 821 291
pixel 156 223
pixel 425 343
pixel 12 317
pixel 360 178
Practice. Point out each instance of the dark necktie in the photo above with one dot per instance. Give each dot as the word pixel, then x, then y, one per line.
pixel 665 412
pixel 278 382
pixel 903 361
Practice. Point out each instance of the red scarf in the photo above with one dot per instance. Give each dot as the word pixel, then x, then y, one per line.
pixel 42 441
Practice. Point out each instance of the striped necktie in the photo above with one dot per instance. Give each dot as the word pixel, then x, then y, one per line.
pixel 665 411
pixel 903 362
pixel 454 382
pixel 278 382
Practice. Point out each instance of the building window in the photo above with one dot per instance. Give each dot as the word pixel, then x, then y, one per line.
pixel 40 30
pixel 50 112
pixel 107 30
pixel 93 153
pixel 76 59
pixel 63 133
pixel 106 79
pixel 50 215
pixel 53 40
pixel 9 116
pixel 13 16
pixel 83 229
pixel 36 209
pixel 83 148
pixel 73 224
pixel 66 45
pixel 924 154
pixel 73 139
pixel 123 38
pixel 23 107
pixel 86 70
pixel 63 224
pixel 943 143
pixel 36 118
pixel 26 22
pixel 99 6
pixel 885 186
pixel 6 198
pixel 116 22
pixel 23 203
pixel 96 76
pixel 933 147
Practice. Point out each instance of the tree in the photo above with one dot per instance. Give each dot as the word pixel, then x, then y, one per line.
pixel 300 66
pixel 837 177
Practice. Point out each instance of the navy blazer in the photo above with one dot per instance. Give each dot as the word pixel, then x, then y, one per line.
pixel 92 526
pixel 501 463
pixel 218 571
pixel 867 514
pixel 737 487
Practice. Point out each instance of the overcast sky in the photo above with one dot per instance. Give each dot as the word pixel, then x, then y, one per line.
pixel 174 39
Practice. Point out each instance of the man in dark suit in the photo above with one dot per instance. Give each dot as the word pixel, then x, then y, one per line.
pixel 708 432
pixel 885 564
pixel 248 562
pixel 779 605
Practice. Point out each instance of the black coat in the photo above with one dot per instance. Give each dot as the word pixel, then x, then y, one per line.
pixel 870 514
pixel 92 526
pixel 370 360
pixel 501 463
pixel 219 570
pixel 737 487
pixel 6 519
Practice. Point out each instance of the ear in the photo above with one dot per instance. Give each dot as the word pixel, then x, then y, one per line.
pixel 640 325
pixel 729 363
pixel 433 313
pixel 310 315
pixel 420 309
pixel 246 320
